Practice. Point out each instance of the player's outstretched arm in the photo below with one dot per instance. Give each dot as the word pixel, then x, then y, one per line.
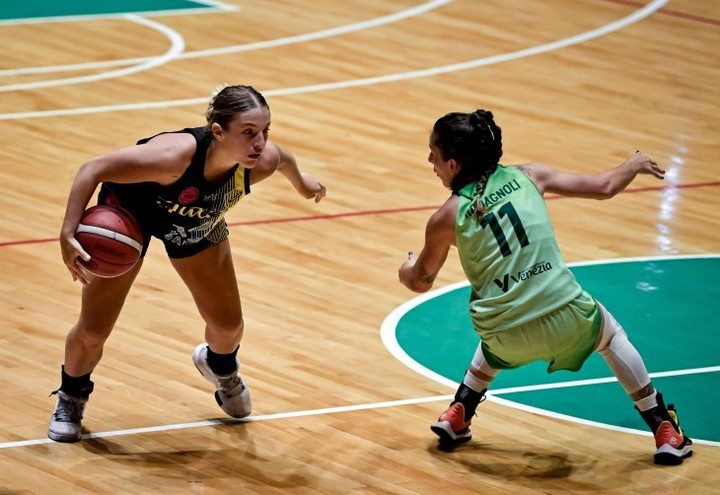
pixel 305 184
pixel 601 186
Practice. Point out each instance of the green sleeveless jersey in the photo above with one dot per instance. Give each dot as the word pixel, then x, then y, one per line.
pixel 509 253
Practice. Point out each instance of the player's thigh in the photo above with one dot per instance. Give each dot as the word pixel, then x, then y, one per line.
pixel 103 298
pixel 210 277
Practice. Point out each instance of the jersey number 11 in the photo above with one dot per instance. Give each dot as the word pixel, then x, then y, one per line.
pixel 505 210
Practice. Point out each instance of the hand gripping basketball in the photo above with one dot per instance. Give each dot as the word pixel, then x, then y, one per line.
pixel 113 239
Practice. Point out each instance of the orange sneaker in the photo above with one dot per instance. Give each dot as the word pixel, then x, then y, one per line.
pixel 672 445
pixel 451 426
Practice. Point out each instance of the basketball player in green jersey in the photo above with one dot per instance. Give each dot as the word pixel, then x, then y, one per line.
pixel 525 304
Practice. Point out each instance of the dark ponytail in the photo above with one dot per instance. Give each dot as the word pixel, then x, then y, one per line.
pixel 474 141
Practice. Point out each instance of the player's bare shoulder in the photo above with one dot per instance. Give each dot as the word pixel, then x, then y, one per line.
pixel 174 149
pixel 442 223
pixel 538 174
pixel 267 163
pixel 180 141
pixel 448 210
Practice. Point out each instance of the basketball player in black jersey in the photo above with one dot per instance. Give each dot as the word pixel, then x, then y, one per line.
pixel 178 185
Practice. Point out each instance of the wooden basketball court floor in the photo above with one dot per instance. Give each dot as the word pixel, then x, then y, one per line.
pixel 354 87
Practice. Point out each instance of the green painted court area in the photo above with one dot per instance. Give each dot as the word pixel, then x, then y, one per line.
pixel 57 8
pixel 670 308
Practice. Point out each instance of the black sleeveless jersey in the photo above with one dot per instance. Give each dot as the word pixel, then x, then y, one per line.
pixel 188 211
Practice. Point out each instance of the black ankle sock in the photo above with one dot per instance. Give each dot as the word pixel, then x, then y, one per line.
pixel 469 399
pixel 77 386
pixel 656 415
pixel 222 364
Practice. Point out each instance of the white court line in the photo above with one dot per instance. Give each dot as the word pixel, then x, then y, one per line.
pixel 250 419
pixel 395 403
pixel 599 381
pixel 258 45
pixel 492 396
pixel 387 333
pixel 213 8
pixel 177 45
pixel 389 339
pixel 646 11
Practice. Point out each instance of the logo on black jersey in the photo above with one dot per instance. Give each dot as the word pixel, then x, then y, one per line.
pixel 188 196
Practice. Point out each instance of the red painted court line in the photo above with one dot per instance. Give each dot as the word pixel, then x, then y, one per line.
pixel 384 211
pixel 674 13
pixel 28 241
pixel 336 215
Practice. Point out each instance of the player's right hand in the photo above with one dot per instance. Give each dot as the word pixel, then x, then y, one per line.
pixel 71 253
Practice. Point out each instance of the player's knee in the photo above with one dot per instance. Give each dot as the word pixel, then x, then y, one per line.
pixel 611 342
pixel 611 336
pixel 228 327
pixel 92 335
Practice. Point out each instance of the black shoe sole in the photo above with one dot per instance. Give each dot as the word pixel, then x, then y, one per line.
pixel 447 439
pixel 670 459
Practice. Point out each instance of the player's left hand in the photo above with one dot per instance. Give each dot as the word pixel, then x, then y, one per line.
pixel 646 165
pixel 311 188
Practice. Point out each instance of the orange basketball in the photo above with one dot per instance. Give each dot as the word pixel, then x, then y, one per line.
pixel 113 239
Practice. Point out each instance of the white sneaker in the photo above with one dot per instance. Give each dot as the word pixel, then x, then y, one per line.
pixel 65 422
pixel 231 393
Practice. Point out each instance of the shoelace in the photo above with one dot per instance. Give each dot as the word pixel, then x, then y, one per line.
pixel 68 411
pixel 231 386
pixel 673 414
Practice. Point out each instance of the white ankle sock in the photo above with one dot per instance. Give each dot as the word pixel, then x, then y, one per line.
pixel 474 382
pixel 647 402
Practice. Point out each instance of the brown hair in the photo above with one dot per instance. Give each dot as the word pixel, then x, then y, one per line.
pixel 230 101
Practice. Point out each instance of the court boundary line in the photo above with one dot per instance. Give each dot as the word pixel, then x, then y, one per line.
pixel 636 16
pixel 177 46
pixel 246 47
pixel 358 406
pixel 492 396
pixel 388 337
